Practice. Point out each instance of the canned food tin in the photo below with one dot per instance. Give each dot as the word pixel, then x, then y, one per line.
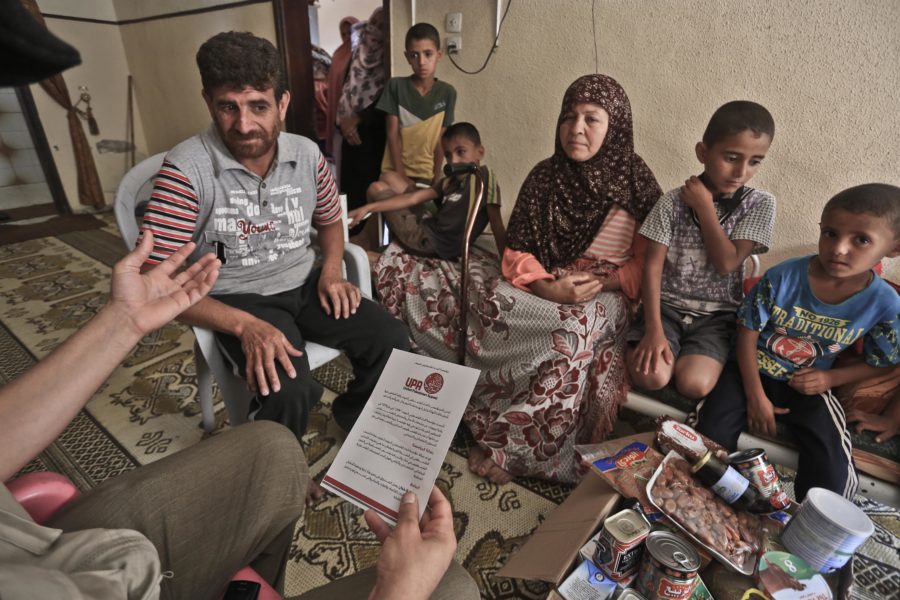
pixel 630 594
pixel 620 543
pixel 754 465
pixel 669 569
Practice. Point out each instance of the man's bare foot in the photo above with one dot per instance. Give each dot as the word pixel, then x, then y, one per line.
pixel 481 465
pixel 314 493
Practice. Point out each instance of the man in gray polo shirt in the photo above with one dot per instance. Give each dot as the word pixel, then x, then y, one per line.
pixel 249 193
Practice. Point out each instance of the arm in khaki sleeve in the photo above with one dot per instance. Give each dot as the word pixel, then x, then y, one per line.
pixel 36 407
pixel 30 581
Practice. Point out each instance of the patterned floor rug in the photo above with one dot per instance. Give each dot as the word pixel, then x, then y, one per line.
pixel 147 410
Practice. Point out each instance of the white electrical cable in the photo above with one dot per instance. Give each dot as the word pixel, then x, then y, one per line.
pixel 594 33
pixel 497 26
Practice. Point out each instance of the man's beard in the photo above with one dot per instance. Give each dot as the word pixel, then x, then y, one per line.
pixel 263 141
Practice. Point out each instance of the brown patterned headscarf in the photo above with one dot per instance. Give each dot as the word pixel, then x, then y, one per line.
pixel 563 202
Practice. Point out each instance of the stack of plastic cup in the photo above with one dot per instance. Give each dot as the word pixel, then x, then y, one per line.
pixel 827 530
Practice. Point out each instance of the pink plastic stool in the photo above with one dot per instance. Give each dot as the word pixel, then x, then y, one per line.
pixel 42 494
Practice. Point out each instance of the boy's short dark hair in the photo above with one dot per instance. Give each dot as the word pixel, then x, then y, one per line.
pixel 463 130
pixel 881 200
pixel 422 31
pixel 737 116
pixel 238 59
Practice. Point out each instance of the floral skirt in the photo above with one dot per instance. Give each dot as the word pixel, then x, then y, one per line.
pixel 552 375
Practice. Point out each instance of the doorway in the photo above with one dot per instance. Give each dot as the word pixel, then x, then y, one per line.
pixel 29 184
pixel 292 26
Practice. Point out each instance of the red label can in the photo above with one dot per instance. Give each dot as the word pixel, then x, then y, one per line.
pixel 620 543
pixel 669 569
pixel 754 465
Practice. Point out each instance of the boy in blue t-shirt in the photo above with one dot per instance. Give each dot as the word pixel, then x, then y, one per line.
pixel 793 324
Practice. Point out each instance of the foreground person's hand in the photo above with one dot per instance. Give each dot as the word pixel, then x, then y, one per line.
pixel 152 299
pixel 414 555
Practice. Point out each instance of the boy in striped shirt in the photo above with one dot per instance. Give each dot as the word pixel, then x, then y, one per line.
pixel 698 237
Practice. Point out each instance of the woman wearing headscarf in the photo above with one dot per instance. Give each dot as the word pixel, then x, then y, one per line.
pixel 321 64
pixel 362 126
pixel 548 336
pixel 340 62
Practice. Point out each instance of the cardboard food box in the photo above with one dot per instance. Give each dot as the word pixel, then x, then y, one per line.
pixel 552 550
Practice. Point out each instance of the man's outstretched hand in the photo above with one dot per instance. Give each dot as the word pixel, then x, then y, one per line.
pixel 152 299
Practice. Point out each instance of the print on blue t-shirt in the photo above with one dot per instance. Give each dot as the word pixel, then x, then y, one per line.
pixel 798 330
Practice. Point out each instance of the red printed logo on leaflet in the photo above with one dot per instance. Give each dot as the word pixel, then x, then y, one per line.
pixel 685 432
pixel 434 383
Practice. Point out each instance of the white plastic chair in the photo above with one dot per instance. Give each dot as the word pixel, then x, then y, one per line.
pixel 133 193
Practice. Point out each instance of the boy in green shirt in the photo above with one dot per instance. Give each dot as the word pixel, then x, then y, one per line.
pixel 419 109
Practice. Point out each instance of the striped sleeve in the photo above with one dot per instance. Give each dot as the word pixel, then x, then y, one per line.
pixel 614 238
pixel 171 214
pixel 328 206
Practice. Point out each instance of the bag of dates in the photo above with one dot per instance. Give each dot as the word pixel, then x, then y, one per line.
pixel 628 472
pixel 683 439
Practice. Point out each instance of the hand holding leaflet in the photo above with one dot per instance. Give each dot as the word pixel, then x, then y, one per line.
pixel 399 442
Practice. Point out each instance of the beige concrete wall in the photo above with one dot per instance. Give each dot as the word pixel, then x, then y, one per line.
pixel 829 71
pixel 104 71
pixel 160 54
pixel 102 10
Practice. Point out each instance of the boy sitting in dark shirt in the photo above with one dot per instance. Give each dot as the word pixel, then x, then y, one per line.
pixel 431 221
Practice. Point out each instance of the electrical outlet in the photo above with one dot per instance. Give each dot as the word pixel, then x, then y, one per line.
pixel 454 44
pixel 454 23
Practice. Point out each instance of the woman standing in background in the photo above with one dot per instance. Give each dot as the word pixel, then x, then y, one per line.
pixel 340 63
pixel 362 126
